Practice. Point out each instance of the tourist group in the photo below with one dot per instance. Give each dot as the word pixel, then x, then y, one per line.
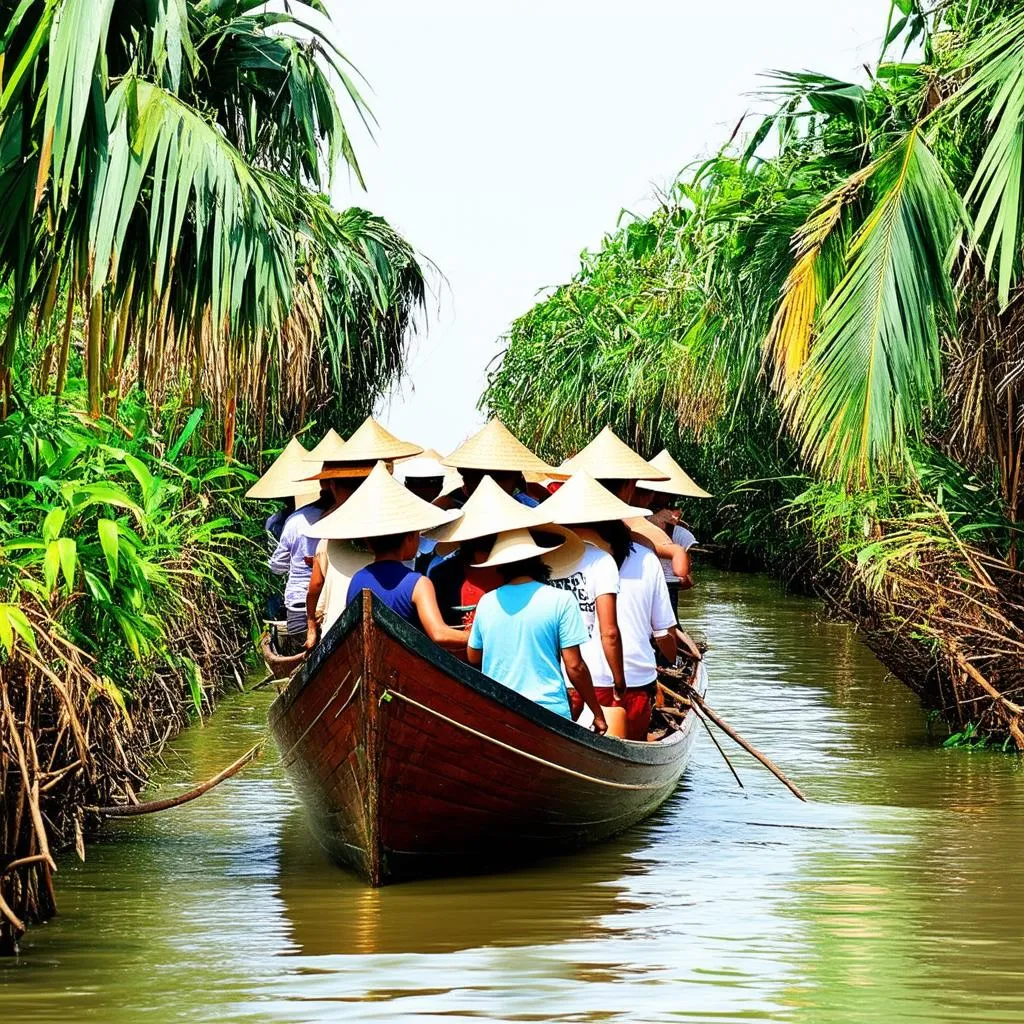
pixel 558 582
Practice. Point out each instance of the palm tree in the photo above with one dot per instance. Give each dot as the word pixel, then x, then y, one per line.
pixel 169 193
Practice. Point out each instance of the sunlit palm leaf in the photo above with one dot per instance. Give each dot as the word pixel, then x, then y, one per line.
pixel 789 341
pixel 875 364
pixel 996 76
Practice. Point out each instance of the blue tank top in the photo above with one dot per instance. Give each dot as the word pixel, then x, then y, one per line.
pixel 392 583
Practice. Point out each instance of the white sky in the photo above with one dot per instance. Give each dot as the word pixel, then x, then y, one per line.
pixel 511 135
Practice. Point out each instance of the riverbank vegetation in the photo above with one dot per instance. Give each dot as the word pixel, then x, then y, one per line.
pixel 824 323
pixel 178 297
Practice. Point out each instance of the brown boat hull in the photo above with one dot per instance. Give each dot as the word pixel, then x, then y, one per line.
pixel 411 763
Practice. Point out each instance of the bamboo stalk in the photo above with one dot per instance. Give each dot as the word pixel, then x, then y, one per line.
pixel 696 699
pixel 65 344
pixel 92 363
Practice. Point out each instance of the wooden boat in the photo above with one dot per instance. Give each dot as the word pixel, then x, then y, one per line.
pixel 412 763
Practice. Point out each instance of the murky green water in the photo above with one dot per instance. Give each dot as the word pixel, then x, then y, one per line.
pixel 895 896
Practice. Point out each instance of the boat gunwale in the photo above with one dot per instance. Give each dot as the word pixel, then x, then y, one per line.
pixel 631 751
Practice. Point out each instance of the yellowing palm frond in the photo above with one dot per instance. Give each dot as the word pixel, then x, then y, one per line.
pixel 874 365
pixel 789 341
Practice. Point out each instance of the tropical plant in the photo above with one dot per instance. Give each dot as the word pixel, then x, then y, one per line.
pixel 824 322
pixel 162 169
pixel 129 577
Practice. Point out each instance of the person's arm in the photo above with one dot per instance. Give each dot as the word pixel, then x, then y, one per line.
pixel 611 641
pixel 475 644
pixel 280 560
pixel 579 675
pixel 424 597
pixel 316 586
pixel 680 565
pixel 667 645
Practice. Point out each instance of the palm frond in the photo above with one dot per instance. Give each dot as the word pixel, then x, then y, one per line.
pixel 996 76
pixel 788 343
pixel 875 364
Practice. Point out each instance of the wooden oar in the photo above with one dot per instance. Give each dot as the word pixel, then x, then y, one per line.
pixel 699 703
pixel 714 739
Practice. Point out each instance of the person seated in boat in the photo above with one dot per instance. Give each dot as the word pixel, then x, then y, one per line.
pixel 293 557
pixel 349 464
pixel 467 541
pixel 612 462
pixel 667 519
pixel 583 504
pixel 388 519
pixel 645 614
pixel 429 480
pixel 525 632
pixel 662 496
pixel 403 590
pixel 495 452
pixel 458 584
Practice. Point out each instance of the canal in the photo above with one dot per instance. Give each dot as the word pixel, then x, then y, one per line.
pixel 895 895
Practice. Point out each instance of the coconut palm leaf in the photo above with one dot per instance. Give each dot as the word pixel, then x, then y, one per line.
pixel 995 65
pixel 874 365
pixel 162 164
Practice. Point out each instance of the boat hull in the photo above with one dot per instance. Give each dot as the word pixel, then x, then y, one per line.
pixel 411 763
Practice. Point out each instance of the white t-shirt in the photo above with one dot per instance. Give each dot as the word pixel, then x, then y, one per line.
pixel 644 610
pixel 593 576
pixel 680 535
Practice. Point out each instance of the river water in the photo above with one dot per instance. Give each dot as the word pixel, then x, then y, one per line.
pixel 895 895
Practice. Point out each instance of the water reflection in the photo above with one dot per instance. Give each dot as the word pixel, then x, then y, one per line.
pixel 894 896
pixel 573 897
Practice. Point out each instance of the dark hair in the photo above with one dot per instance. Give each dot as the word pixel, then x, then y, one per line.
pixel 469 549
pixel 386 544
pixel 532 567
pixel 657 500
pixel 617 536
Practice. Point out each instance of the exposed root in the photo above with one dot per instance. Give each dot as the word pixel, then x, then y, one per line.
pixel 69 742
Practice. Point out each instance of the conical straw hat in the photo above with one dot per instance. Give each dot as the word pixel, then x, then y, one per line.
pixel 679 481
pixel 329 448
pixel 417 465
pixel 370 443
pixel 490 510
pixel 609 458
pixel 496 449
pixel 519 545
pixel 283 479
pixel 420 467
pixel 583 500
pixel 378 507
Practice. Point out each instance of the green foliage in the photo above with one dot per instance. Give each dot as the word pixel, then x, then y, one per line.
pixel 792 320
pixel 164 169
pixel 132 549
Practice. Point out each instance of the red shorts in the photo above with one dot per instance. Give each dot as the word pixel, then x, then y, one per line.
pixel 638 702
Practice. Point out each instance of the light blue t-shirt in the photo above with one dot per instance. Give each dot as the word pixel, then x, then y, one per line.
pixel 522 629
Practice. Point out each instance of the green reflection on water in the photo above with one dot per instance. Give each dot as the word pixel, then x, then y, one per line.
pixel 895 895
